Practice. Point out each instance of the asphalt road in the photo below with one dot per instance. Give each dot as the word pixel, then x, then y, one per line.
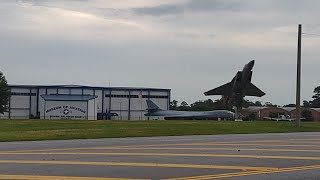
pixel 258 156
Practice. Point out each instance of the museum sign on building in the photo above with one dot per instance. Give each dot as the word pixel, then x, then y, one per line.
pixel 61 106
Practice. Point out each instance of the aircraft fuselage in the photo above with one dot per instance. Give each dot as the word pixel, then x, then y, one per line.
pixel 171 114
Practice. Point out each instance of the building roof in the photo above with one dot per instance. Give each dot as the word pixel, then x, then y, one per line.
pixel 87 87
pixel 288 109
pixel 67 97
pixel 316 109
pixel 255 108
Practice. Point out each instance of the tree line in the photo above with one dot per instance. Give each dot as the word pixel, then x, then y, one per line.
pixel 206 105
pixel 209 104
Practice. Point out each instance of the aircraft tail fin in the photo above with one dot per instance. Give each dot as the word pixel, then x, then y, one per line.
pixel 253 90
pixel 151 105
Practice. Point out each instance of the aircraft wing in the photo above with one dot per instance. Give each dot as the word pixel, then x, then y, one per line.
pixel 252 90
pixel 221 90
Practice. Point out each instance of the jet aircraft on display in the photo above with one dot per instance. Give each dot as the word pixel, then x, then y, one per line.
pixel 155 111
pixel 240 86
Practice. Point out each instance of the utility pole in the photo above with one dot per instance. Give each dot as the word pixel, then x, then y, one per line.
pixel 298 91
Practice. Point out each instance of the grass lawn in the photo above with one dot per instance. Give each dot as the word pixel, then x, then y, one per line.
pixel 26 130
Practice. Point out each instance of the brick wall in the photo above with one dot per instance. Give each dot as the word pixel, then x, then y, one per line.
pixel 266 111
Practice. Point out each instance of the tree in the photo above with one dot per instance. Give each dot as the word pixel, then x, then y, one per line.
pixel 184 106
pixel 220 104
pixel 269 104
pixel 290 105
pixel 317 93
pixel 250 117
pixel 315 103
pixel 206 105
pixel 4 94
pixel 174 105
pixel 306 104
pixel 307 114
pixel 246 103
pixel 257 103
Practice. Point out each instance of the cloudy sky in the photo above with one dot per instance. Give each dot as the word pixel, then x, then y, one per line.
pixel 189 46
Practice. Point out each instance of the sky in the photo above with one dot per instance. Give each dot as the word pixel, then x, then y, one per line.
pixel 188 46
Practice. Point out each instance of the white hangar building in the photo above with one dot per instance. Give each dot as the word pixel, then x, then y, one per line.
pixel 83 102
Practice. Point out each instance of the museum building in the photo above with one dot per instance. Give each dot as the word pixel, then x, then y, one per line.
pixel 82 102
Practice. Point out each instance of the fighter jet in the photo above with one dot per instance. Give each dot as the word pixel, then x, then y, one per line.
pixel 154 110
pixel 240 86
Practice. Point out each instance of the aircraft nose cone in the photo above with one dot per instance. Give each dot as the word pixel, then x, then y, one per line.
pixel 251 64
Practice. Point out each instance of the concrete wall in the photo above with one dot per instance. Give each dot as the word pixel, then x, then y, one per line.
pixel 99 100
pixel 64 91
pixel 92 109
pixel 20 103
pixel 33 102
pixel 4 116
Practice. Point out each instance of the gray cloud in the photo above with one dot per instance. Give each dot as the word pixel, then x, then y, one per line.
pixel 90 42
pixel 159 10
pixel 196 35
pixel 191 5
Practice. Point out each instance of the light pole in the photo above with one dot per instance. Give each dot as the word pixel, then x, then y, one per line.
pixel 298 90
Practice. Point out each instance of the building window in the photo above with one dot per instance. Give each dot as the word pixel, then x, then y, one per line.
pixel 155 97
pixel 22 94
pixel 117 96
pixel 136 96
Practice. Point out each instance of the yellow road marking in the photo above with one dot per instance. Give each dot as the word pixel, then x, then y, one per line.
pixel 215 175
pixel 105 147
pixel 217 144
pixel 307 139
pixel 148 145
pixel 271 145
pixel 168 154
pixel 277 140
pixel 227 175
pixel 31 177
pixel 65 149
pixel 195 166
pixel 224 149
pixel 188 144
pixel 178 144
